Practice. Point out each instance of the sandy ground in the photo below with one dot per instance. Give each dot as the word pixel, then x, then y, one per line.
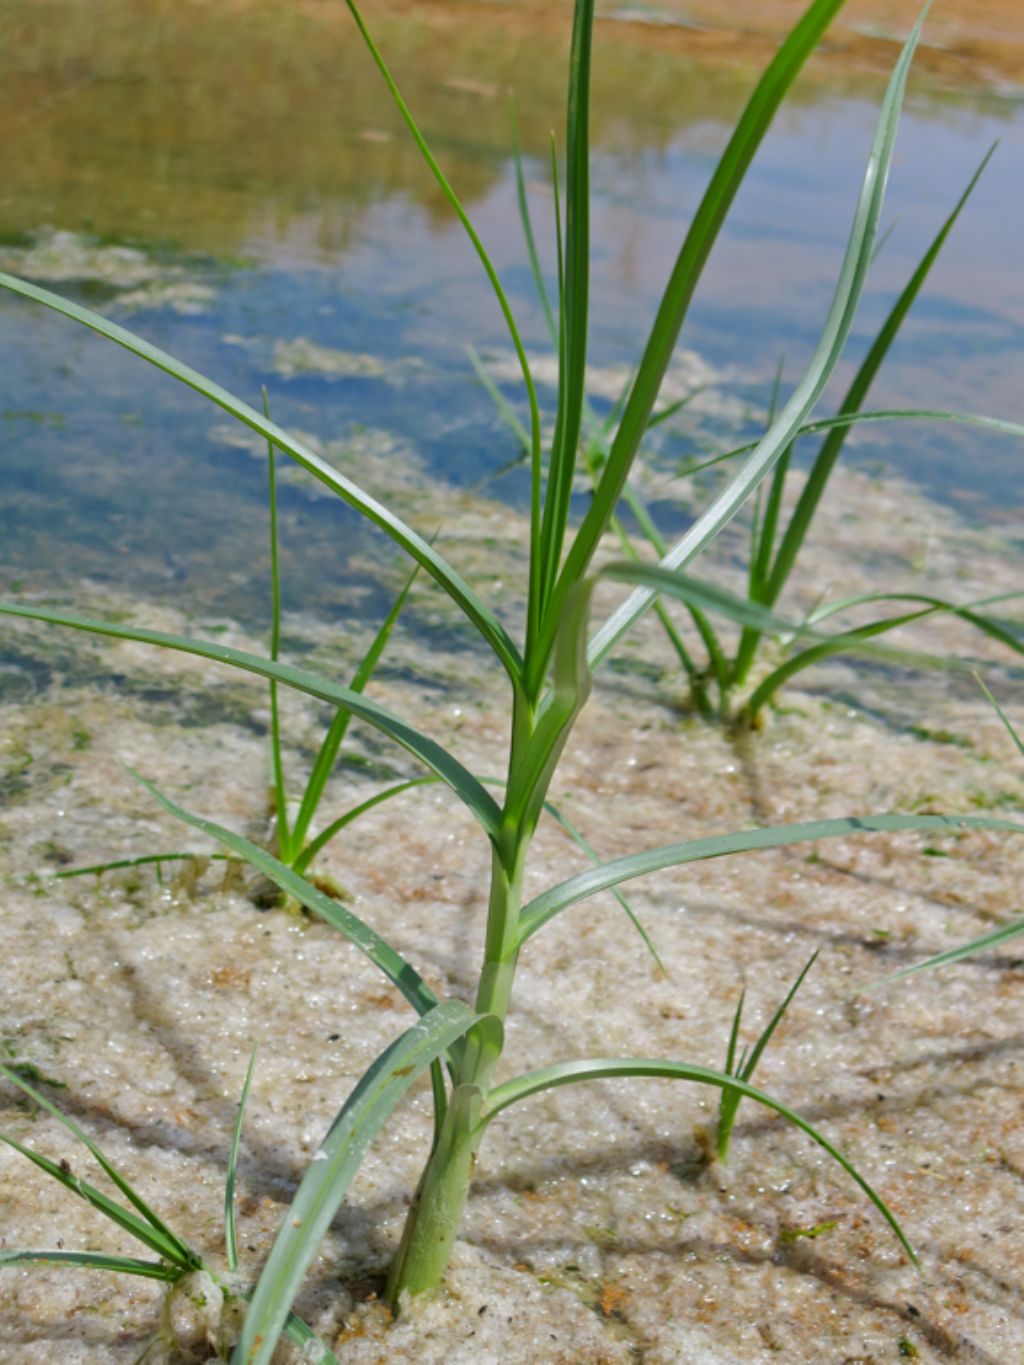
pixel 596 1232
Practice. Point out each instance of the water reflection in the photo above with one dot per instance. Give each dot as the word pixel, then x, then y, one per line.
pixel 231 180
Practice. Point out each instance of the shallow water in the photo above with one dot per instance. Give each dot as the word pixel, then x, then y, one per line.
pixel 231 182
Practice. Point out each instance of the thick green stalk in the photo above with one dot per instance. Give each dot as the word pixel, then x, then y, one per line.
pixel 433 1221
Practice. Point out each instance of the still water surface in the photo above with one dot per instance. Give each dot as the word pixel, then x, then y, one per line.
pixel 231 182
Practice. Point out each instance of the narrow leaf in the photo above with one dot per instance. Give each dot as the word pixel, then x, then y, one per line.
pixel 139 1228
pixel 826 356
pixel 230 1236
pixel 284 839
pixel 448 768
pixel 177 1249
pixel 575 300
pixel 584 884
pixel 95 1260
pixel 370 943
pixel 333 1167
pixel 821 470
pixel 605 1068
pixel 1003 934
pixel 414 544
pixel 97 869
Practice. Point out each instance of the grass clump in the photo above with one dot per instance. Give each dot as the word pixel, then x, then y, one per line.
pixel 549 665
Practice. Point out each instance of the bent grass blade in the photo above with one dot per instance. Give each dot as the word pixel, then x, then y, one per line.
pixel 1000 425
pixel 486 623
pixel 608 1068
pixel 821 470
pixel 557 898
pixel 95 1260
pixel 448 768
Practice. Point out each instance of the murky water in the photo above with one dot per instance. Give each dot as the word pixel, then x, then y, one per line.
pixel 231 181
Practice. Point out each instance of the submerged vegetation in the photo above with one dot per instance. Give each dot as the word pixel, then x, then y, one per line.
pixel 549 661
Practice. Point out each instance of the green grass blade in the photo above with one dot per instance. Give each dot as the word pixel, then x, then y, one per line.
pixel 586 847
pixel 304 1336
pixel 734 1034
pixel 95 1260
pixel 665 413
pixel 177 1249
pixel 230 1234
pixel 284 841
pixel 526 221
pixel 505 411
pixel 336 826
pixel 333 1167
pixel 807 392
pixel 370 943
pixel 335 736
pixel 847 641
pixel 575 302
pixel 98 869
pixel 750 1065
pixel 703 232
pixel 730 1101
pixel 557 898
pixel 1002 715
pixel 141 1229
pixel 1003 934
pixel 970 610
pixel 709 597
pixel 514 663
pixel 703 596
pixel 821 470
pixel 414 544
pixel 853 640
pixel 605 1068
pixel 850 419
pixel 448 768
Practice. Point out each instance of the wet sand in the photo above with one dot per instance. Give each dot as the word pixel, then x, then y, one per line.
pixel 596 1232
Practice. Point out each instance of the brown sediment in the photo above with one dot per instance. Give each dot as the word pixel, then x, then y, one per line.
pixel 972 42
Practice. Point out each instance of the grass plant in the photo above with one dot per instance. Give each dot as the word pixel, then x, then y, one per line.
pixel 549 663
pixel 729 679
